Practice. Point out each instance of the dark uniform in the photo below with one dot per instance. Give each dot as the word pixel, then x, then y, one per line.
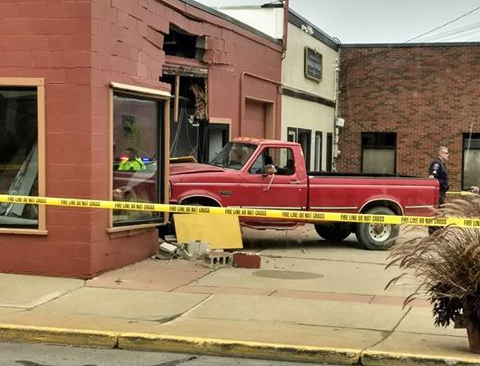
pixel 439 170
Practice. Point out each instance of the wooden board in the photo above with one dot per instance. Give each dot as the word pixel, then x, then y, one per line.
pixel 219 231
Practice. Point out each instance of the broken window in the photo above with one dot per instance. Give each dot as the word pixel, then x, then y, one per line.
pixel 18 154
pixel 180 43
pixel 189 116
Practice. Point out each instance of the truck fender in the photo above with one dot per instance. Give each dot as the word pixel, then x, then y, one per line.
pixel 200 198
pixel 388 202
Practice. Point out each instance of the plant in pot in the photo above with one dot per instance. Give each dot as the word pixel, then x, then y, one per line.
pixel 447 266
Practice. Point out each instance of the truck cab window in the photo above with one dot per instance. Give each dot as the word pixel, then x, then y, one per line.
pixel 281 158
pixel 234 155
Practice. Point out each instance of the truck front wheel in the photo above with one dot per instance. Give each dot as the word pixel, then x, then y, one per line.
pixel 377 236
pixel 335 231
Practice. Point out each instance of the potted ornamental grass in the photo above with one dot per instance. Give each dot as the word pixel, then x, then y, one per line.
pixel 447 266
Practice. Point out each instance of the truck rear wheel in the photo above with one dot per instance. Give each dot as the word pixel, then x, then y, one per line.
pixel 377 236
pixel 335 231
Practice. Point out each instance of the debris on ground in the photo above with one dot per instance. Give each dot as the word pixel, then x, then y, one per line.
pixel 246 260
pixel 170 249
pixel 219 258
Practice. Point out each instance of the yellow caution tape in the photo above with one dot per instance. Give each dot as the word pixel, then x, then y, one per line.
pixel 310 216
pixel 461 193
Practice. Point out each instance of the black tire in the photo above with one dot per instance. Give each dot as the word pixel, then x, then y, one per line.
pixel 377 236
pixel 334 231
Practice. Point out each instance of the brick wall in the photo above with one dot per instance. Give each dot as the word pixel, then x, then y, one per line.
pixel 78 48
pixel 428 95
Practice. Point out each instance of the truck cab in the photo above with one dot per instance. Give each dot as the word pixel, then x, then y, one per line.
pixel 246 173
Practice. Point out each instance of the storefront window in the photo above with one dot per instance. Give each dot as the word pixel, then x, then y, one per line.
pixel 378 152
pixel 137 138
pixel 471 161
pixel 18 154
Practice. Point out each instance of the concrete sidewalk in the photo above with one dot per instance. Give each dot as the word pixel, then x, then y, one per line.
pixel 310 301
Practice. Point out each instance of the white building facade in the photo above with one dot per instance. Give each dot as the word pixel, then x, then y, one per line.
pixel 309 80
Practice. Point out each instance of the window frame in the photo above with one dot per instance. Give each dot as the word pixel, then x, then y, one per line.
pixel 318 151
pixel 302 136
pixel 39 84
pixel 379 142
pixel 467 147
pixel 149 93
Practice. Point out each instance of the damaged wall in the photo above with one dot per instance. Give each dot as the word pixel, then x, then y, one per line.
pixel 78 49
pixel 241 64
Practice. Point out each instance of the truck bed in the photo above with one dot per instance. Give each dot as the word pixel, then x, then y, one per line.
pixel 361 175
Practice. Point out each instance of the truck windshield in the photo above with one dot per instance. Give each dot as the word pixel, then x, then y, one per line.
pixel 234 155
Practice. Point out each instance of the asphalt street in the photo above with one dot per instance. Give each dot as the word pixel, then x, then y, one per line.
pixel 16 354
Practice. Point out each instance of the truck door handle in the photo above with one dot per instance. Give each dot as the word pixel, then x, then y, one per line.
pixel 295 182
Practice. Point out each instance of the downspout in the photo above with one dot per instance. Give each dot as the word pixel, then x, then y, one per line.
pixel 286 13
pixel 336 152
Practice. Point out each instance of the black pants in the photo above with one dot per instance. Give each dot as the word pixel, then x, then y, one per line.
pixel 441 201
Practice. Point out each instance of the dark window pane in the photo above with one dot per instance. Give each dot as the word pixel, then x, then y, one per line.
pixel 318 151
pixel 18 154
pixel 379 139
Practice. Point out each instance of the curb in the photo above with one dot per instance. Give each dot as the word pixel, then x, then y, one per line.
pixel 220 347
pixel 377 358
pixel 74 337
pixel 176 344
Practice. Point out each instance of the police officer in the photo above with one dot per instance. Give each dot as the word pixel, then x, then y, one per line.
pixel 131 162
pixel 438 170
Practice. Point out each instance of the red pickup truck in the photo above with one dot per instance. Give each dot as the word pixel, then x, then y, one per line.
pixel 272 174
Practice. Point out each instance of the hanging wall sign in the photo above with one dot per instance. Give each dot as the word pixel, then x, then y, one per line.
pixel 313 64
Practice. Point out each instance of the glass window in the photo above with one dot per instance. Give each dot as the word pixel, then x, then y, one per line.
pixel 471 161
pixel 318 151
pixel 303 137
pixel 281 158
pixel 137 130
pixel 329 157
pixel 378 152
pixel 18 154
pixel 292 134
pixel 234 155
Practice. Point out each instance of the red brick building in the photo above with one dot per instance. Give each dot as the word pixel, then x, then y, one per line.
pixel 88 91
pixel 401 101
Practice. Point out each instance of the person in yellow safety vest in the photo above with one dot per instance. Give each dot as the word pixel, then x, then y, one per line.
pixel 131 163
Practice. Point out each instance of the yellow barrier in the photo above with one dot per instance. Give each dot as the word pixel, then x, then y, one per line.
pixel 244 212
